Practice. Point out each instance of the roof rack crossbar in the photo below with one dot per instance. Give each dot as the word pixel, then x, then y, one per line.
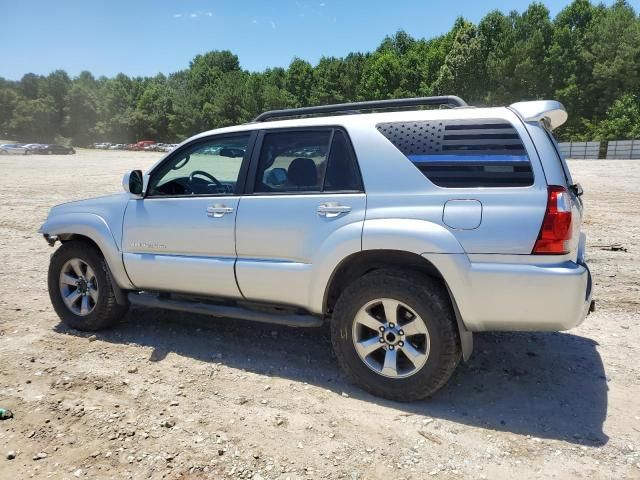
pixel 450 100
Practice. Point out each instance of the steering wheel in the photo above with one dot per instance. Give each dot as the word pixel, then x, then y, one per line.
pixel 207 175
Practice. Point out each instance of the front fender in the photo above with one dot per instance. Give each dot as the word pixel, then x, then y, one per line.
pixel 95 228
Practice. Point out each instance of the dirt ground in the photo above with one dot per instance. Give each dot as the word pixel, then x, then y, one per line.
pixel 177 396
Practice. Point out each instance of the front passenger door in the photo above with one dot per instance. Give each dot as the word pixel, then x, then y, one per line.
pixel 181 236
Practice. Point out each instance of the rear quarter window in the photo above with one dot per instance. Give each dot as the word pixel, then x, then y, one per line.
pixel 463 153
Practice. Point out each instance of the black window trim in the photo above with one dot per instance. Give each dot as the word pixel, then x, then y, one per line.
pixel 242 174
pixel 249 188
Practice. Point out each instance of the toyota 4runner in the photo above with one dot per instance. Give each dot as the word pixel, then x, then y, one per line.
pixel 405 228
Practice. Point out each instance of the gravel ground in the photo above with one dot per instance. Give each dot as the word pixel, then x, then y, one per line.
pixel 170 395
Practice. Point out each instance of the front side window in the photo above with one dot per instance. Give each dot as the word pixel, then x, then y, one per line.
pixel 306 161
pixel 209 168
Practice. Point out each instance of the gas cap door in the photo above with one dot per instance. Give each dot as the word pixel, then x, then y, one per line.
pixel 462 214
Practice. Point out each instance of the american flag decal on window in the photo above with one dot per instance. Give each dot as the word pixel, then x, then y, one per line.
pixel 463 153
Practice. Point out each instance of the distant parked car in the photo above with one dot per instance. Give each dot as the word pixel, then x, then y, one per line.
pixel 13 149
pixel 52 148
pixel 31 147
pixel 158 147
pixel 140 145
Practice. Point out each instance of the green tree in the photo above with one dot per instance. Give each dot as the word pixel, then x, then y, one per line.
pixel 463 70
pixel 516 67
pixel 612 51
pixel 8 101
pixel 299 81
pixel 381 77
pixel 587 57
pixel 622 120
pixel 83 107
pixel 154 110
pixel 57 85
pixel 34 120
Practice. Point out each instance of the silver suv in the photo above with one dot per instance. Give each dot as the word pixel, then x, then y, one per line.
pixel 405 228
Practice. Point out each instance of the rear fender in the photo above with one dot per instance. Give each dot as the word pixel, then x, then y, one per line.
pixel 433 242
pixel 408 235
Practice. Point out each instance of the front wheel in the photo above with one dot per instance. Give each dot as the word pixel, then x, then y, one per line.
pixel 395 334
pixel 80 288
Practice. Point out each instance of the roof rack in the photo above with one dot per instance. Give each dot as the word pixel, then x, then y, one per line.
pixel 450 100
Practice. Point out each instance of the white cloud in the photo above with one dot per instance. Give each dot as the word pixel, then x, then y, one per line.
pixel 273 24
pixel 193 14
pixel 323 4
pixel 254 21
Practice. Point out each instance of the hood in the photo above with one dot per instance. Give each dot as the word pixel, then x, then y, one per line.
pixel 103 206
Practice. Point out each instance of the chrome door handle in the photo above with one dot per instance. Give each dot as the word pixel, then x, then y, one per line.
pixel 218 210
pixel 332 209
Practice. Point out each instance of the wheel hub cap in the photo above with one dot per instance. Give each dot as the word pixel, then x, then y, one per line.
pixel 83 286
pixel 390 338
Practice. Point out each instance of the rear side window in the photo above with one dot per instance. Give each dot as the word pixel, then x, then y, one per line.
pixel 342 172
pixel 463 153
pixel 307 161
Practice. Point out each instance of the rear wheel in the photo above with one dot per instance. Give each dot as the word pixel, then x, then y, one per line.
pixel 80 288
pixel 395 334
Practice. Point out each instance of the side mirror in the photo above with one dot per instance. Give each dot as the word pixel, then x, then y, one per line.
pixel 132 183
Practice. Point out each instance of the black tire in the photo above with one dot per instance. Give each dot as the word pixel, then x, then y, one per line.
pixel 107 312
pixel 430 300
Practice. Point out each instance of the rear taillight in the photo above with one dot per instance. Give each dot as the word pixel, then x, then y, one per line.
pixel 555 233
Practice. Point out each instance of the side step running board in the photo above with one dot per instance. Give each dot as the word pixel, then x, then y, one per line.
pixel 225 311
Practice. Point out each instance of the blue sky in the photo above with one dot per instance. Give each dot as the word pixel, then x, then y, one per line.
pixel 144 37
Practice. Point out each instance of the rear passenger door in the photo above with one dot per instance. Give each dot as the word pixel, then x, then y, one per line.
pixel 305 201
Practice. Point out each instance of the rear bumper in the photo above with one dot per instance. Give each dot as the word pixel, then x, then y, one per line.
pixel 518 297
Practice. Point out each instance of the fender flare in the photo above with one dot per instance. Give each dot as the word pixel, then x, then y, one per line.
pixel 419 237
pixel 95 228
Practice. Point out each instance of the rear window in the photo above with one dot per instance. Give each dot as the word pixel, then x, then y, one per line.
pixel 463 153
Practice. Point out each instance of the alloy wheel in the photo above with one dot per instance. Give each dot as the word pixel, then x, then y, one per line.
pixel 390 338
pixel 78 287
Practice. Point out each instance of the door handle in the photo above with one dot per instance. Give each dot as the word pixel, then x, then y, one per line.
pixel 332 209
pixel 218 210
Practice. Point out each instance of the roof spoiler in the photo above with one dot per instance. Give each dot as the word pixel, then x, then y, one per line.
pixel 551 112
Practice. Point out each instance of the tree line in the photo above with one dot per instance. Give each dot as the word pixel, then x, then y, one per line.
pixel 587 57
